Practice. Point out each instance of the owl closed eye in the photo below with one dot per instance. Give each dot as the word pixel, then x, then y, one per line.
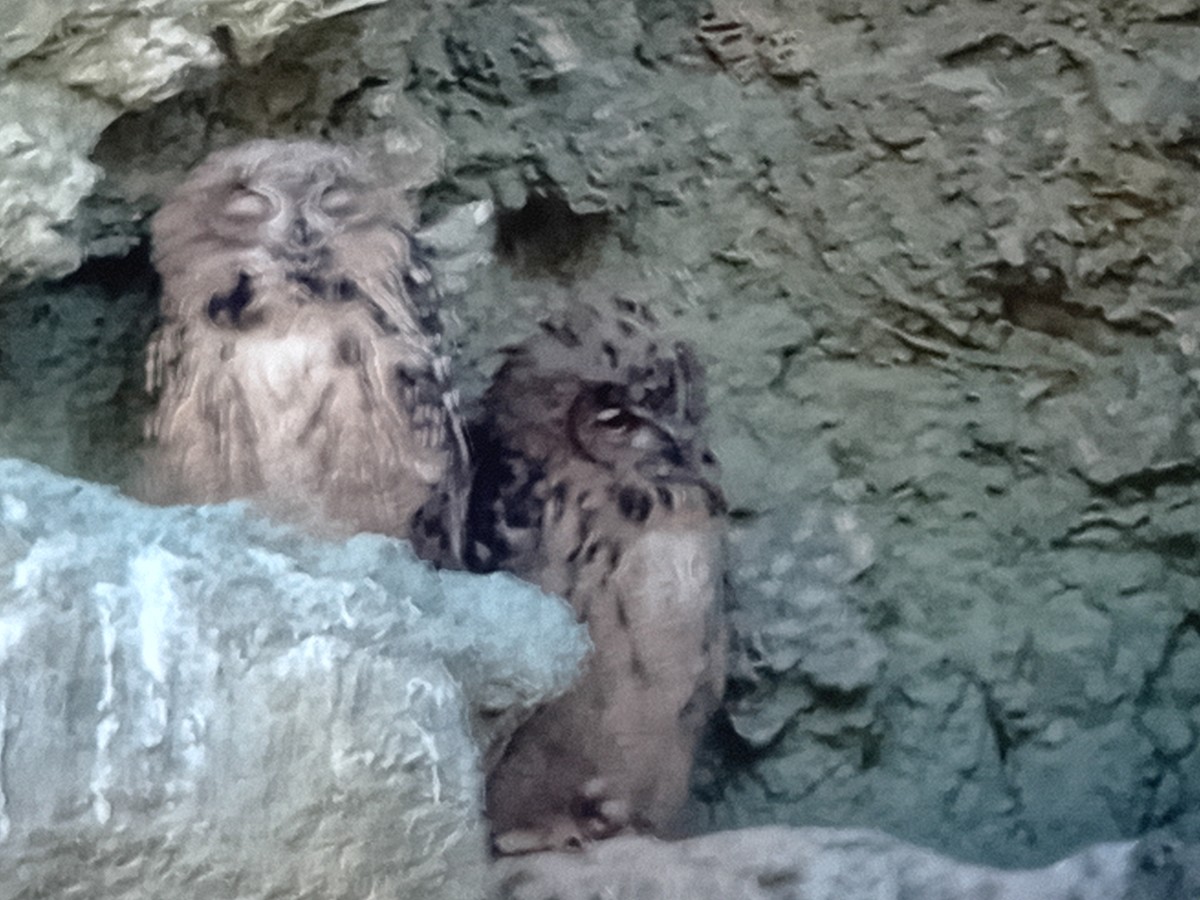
pixel 247 205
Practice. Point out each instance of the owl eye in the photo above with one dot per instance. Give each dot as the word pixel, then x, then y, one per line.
pixel 247 203
pixel 617 419
pixel 338 201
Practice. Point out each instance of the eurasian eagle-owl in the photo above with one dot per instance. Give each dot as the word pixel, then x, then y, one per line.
pixel 297 363
pixel 593 481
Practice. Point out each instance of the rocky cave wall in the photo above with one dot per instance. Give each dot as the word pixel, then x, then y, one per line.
pixel 939 256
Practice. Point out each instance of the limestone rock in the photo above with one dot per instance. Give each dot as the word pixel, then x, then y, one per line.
pixel 196 698
pixel 832 864
pixel 71 69
pixel 46 133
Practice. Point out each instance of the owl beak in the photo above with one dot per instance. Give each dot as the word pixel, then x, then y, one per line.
pixel 301 234
pixel 672 453
pixel 686 455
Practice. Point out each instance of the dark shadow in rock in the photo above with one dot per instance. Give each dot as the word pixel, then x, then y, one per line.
pixel 547 237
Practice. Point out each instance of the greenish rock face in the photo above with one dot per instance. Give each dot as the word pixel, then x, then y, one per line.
pixel 940 260
pixel 71 357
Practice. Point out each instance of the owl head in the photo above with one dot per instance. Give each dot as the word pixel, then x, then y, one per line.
pixel 603 386
pixel 277 212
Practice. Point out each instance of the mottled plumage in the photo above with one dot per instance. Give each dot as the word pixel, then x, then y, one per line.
pixel 593 481
pixel 297 363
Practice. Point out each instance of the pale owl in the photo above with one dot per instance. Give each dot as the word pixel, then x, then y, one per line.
pixel 298 364
pixel 593 481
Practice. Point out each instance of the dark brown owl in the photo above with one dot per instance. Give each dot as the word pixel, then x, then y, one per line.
pixel 593 481
pixel 297 364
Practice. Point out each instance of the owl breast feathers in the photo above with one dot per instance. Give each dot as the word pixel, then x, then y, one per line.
pixel 593 481
pixel 297 363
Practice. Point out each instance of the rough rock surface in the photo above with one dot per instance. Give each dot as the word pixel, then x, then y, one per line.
pixel 833 864
pixel 71 69
pixel 941 257
pixel 192 699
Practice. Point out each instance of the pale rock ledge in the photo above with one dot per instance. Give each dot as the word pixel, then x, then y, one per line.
pixel 198 703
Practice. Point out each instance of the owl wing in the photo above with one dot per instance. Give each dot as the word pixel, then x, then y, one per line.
pixel 503 516
pixel 439 526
